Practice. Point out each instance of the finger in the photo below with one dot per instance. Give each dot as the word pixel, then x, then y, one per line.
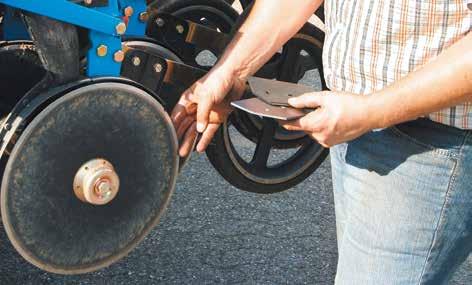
pixel 312 100
pixel 188 142
pixel 178 114
pixel 207 136
pixel 183 127
pixel 191 109
pixel 294 125
pixel 219 114
pixel 182 107
pixel 203 112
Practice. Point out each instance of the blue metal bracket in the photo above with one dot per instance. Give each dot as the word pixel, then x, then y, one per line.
pixel 104 23
pixel 71 13
pixel 137 21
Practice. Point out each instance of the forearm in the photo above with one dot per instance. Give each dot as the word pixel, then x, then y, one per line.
pixel 442 83
pixel 268 27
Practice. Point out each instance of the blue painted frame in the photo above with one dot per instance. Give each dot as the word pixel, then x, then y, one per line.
pixel 102 22
pixel 13 26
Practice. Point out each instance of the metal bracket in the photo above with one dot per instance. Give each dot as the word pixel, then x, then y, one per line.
pixel 184 36
pixel 153 72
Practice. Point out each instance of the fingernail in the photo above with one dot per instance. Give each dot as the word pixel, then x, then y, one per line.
pixel 200 127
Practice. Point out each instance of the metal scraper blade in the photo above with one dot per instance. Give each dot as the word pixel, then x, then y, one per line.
pixel 275 92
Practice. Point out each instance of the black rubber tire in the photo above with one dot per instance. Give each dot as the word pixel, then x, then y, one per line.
pixel 20 70
pixel 221 161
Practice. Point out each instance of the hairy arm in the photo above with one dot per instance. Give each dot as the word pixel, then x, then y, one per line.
pixel 268 27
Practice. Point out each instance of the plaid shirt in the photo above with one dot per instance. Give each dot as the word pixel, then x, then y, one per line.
pixel 372 43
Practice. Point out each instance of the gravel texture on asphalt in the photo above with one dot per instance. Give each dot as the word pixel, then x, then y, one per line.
pixel 213 233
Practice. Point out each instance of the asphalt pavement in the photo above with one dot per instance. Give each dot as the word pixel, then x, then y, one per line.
pixel 213 233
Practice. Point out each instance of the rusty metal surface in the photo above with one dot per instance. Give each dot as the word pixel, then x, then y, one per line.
pixel 46 223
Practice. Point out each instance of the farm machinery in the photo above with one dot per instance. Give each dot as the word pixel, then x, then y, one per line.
pixel 88 156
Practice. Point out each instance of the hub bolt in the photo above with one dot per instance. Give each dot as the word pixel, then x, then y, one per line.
pixel 103 189
pixel 136 61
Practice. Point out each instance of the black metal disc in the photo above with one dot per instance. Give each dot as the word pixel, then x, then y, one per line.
pixel 45 221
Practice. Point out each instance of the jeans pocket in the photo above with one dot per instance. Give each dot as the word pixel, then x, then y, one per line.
pixel 430 140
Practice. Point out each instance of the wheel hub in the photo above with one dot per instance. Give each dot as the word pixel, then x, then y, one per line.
pixel 96 182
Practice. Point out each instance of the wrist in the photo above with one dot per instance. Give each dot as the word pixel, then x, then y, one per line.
pixel 377 111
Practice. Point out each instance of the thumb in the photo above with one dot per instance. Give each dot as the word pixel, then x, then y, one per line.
pixel 311 100
pixel 203 112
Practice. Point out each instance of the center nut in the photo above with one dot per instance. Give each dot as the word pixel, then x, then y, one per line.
pixel 96 182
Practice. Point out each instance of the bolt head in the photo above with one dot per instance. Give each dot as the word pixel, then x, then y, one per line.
pixel 104 188
pixel 88 2
pixel 180 29
pixel 119 56
pixel 129 11
pixel 102 50
pixel 136 61
pixel 121 28
pixel 158 67
pixel 160 22
pixel 144 16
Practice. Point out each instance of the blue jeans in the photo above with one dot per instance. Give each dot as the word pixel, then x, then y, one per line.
pixel 403 200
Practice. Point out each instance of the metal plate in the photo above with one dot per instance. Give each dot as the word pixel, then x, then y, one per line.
pixel 258 107
pixel 45 221
pixel 275 92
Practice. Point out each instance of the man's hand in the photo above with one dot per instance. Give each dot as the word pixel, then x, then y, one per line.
pixel 204 107
pixel 339 117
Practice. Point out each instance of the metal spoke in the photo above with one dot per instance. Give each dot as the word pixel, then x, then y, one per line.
pixel 290 66
pixel 264 144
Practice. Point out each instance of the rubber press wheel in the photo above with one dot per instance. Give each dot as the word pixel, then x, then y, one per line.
pixel 256 154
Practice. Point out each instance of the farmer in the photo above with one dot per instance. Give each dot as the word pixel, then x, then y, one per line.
pixel 398 120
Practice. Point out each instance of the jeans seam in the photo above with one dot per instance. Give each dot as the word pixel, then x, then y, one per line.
pixel 441 218
pixel 434 150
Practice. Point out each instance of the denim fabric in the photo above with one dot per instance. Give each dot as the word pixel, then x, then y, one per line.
pixel 403 200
